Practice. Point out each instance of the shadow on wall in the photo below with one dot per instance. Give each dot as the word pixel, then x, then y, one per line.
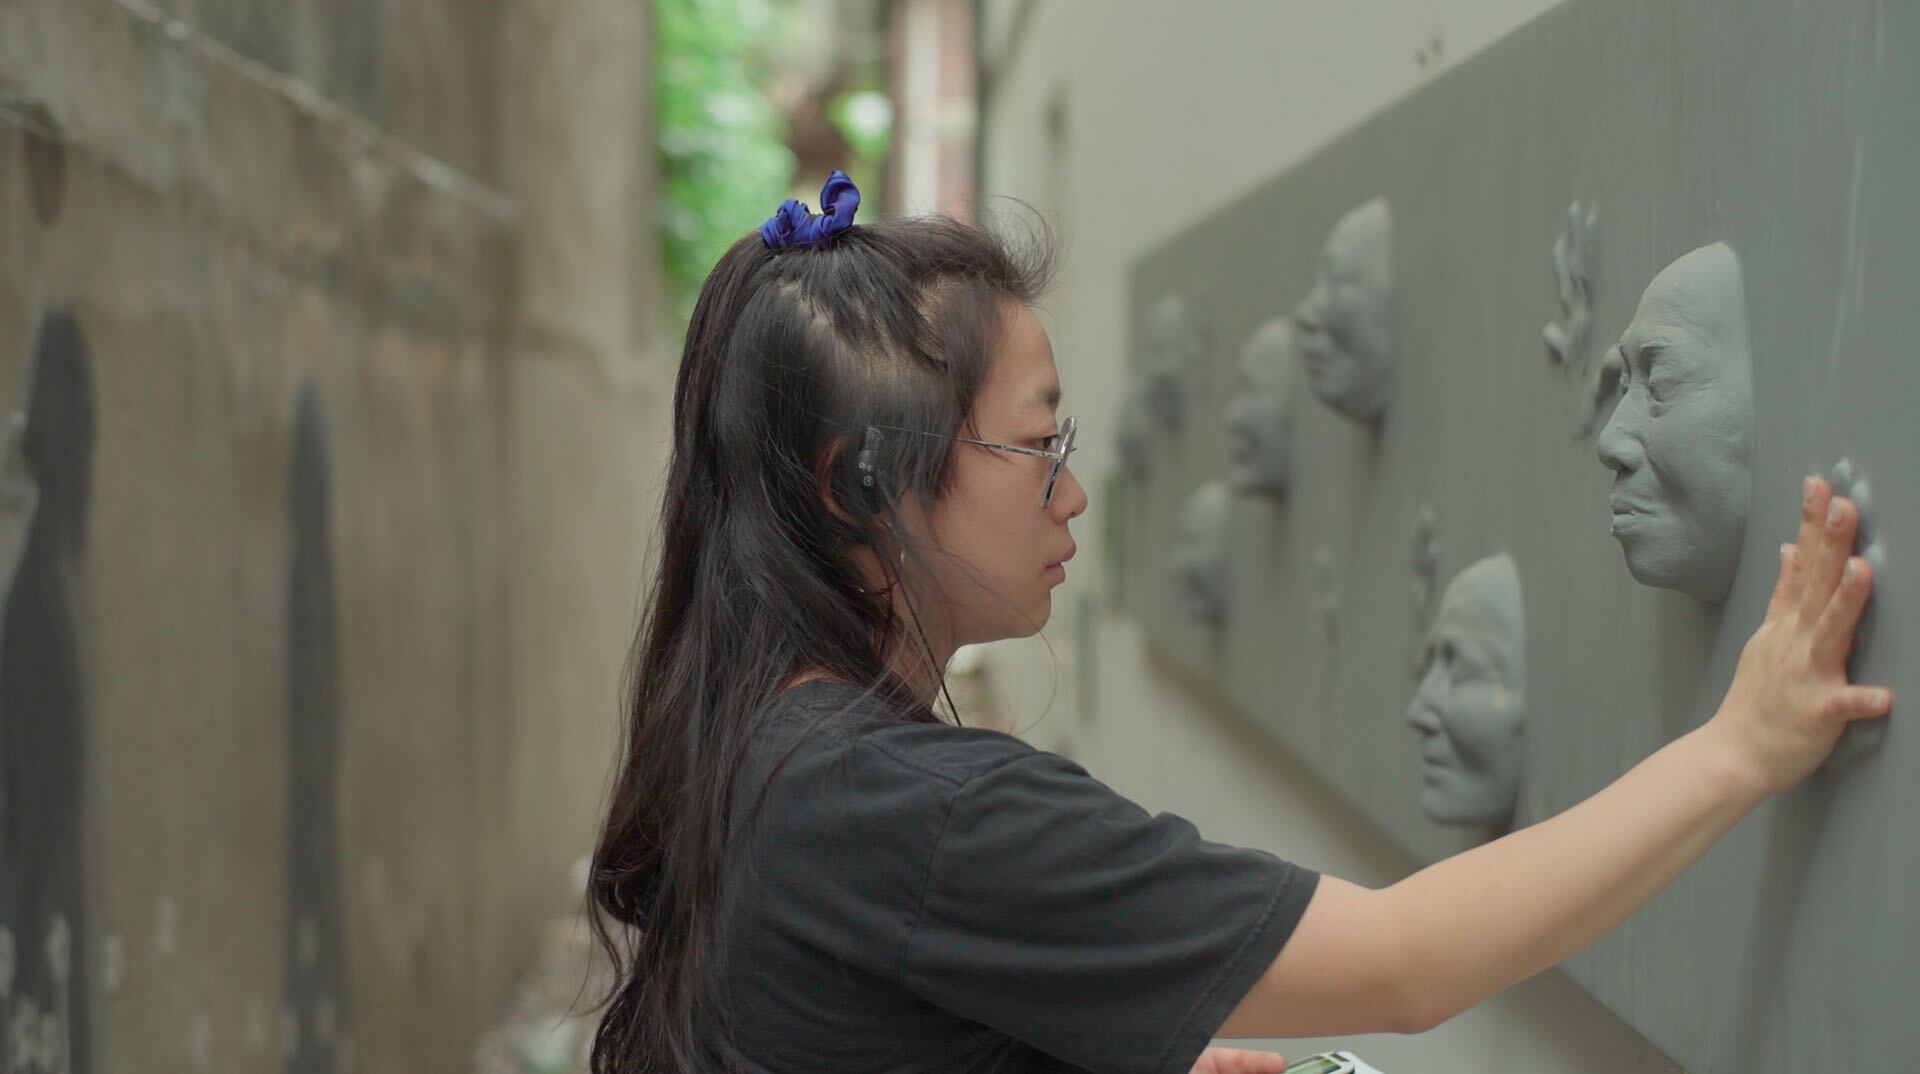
pixel 42 725
pixel 314 1033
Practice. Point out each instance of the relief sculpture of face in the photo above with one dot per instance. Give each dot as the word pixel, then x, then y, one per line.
pixel 1175 342
pixel 1680 441
pixel 1133 436
pixel 1260 419
pixel 1471 702
pixel 1199 560
pixel 1345 322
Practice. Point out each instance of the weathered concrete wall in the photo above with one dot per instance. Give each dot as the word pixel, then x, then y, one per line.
pixel 312 656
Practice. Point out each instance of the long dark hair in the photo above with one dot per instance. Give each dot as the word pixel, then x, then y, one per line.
pixel 790 357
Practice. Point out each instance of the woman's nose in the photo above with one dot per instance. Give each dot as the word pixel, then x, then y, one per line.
pixel 1069 497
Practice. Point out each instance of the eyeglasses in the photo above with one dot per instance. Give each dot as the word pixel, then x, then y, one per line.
pixel 1063 446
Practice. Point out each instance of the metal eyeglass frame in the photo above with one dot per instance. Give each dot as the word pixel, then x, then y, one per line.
pixel 1058 455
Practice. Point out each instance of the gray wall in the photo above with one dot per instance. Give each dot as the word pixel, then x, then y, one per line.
pixel 310 668
pixel 1242 91
pixel 1783 131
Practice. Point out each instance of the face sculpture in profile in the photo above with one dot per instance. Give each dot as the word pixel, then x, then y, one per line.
pixel 1175 342
pixel 1199 560
pixel 1470 705
pixel 1260 419
pixel 1680 441
pixel 1345 322
pixel 1133 435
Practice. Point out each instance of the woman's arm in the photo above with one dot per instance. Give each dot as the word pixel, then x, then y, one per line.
pixel 1412 955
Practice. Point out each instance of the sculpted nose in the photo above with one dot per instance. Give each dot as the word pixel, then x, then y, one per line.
pixel 1307 314
pixel 1422 715
pixel 1619 450
pixel 1235 418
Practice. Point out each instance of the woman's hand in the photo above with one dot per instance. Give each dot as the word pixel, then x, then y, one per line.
pixel 1238 1061
pixel 1790 698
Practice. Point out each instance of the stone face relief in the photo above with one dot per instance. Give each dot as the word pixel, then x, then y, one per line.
pixel 1471 703
pixel 1133 436
pixel 1176 341
pixel 1861 738
pixel 1345 322
pixel 1261 417
pixel 1199 560
pixel 1680 441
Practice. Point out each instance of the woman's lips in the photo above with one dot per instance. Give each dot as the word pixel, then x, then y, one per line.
pixel 1057 570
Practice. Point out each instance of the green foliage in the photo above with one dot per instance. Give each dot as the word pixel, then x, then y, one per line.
pixel 724 163
pixel 864 118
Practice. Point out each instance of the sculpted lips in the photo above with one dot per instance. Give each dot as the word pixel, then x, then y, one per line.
pixel 1625 506
pixel 1240 444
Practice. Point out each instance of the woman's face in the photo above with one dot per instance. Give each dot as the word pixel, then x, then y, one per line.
pixel 997 551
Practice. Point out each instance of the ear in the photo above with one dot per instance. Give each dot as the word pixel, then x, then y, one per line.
pixel 831 483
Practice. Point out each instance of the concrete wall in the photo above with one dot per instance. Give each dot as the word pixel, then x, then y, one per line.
pixel 1126 124
pixel 311 660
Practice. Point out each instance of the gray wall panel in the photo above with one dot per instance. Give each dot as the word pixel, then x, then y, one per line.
pixel 1783 129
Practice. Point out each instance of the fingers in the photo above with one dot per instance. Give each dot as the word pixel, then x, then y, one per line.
pixel 1241 1061
pixel 1863 702
pixel 1829 556
pixel 1814 498
pixel 1833 631
pixel 1784 589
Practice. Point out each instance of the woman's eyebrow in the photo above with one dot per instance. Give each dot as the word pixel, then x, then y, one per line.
pixel 1048 396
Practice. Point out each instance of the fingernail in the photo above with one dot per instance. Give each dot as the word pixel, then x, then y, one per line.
pixel 1853 569
pixel 1833 512
pixel 1806 490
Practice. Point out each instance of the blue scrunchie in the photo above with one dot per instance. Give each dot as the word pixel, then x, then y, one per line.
pixel 793 225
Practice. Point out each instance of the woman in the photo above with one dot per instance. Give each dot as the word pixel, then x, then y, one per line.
pixel 804 868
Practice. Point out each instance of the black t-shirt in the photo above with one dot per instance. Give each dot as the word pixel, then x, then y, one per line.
pixel 927 897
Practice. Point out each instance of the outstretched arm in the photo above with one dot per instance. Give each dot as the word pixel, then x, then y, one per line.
pixel 1414 954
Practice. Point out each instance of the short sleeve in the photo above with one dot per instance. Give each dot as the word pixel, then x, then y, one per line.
pixel 1064 915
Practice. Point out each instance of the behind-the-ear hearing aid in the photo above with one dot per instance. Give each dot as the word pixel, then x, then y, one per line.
pixel 866 467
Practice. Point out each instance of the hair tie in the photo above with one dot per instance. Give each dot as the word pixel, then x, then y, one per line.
pixel 794 225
